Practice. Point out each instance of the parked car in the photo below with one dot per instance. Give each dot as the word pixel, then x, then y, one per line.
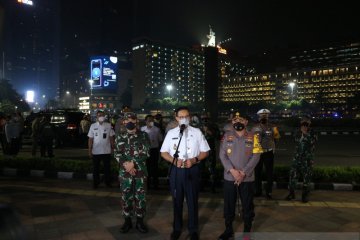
pixel 66 123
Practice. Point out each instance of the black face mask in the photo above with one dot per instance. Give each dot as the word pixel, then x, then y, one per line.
pixel 130 126
pixel 238 126
pixel 263 120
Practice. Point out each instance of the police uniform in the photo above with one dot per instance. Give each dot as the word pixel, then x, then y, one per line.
pixel 268 134
pixel 185 181
pixel 240 153
pixel 132 147
pixel 101 149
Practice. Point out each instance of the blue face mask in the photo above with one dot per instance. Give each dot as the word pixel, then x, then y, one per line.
pixel 130 126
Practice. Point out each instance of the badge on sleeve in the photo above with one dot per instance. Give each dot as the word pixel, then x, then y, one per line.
pixel 174 146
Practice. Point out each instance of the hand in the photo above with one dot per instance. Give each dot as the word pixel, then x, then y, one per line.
pixel 236 174
pixel 189 163
pixel 179 162
pixel 128 166
pixel 242 176
pixel 90 154
pixel 132 172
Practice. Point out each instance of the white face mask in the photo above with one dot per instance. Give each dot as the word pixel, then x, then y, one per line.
pixel 101 119
pixel 184 121
pixel 151 124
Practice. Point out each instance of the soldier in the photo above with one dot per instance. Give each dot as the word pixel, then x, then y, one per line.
pixel 239 153
pixel 131 151
pixel 305 140
pixel 269 134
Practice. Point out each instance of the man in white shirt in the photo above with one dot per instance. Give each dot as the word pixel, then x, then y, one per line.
pixel 101 144
pixel 152 162
pixel 184 171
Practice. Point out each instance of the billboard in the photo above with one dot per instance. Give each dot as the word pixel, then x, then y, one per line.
pixel 103 71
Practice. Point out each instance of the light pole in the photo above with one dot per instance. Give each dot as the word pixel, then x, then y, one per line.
pixel 292 85
pixel 169 88
pixel 91 82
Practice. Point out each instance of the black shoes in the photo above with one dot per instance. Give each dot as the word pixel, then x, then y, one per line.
pixel 291 196
pixel 126 226
pixel 227 234
pixel 140 226
pixel 175 235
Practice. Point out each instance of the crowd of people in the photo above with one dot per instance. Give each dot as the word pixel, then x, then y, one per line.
pixel 188 145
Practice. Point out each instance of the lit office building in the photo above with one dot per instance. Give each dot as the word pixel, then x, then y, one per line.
pixel 161 71
pixel 332 85
pixel 335 55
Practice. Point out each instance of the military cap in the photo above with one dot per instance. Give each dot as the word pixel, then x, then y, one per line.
pixel 131 115
pixel 236 114
pixel 263 111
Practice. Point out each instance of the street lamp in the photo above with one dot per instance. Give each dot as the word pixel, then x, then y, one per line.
pixel 169 88
pixel 292 85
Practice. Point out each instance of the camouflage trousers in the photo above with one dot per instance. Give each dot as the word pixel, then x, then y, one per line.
pixel 133 197
pixel 300 167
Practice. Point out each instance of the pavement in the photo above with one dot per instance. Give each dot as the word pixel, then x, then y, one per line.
pixel 71 209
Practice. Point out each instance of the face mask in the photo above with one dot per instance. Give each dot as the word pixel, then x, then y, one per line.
pixel 238 126
pixel 184 121
pixel 151 124
pixel 130 126
pixel 101 119
pixel 263 120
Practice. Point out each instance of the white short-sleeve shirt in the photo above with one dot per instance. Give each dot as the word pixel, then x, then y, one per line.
pixel 101 134
pixel 154 135
pixel 192 143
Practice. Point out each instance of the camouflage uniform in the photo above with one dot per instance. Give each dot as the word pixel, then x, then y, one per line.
pixel 132 147
pixel 303 159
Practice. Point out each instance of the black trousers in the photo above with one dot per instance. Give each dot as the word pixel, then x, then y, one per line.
pixel 46 145
pixel 152 164
pixel 105 158
pixel 185 182
pixel 267 159
pixel 246 192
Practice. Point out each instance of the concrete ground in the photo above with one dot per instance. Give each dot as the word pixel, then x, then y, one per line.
pixel 69 209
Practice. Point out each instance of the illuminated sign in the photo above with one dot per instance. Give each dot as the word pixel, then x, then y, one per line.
pixel 103 73
pixel 27 2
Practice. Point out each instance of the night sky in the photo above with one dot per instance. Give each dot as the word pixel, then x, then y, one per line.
pixel 254 26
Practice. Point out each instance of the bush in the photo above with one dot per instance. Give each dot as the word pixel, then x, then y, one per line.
pixel 281 172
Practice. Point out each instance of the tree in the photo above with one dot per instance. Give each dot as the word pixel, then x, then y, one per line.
pixel 10 99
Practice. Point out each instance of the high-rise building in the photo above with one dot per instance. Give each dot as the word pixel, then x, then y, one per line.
pixel 333 85
pixel 31 46
pixel 332 55
pixel 163 70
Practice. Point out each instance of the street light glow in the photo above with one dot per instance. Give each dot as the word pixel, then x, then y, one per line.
pixel 67 92
pixel 169 87
pixel 292 85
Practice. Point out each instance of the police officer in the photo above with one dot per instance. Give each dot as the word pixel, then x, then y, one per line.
pixel 239 153
pixel 185 171
pixel 268 134
pixel 131 151
pixel 101 143
pixel 305 140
